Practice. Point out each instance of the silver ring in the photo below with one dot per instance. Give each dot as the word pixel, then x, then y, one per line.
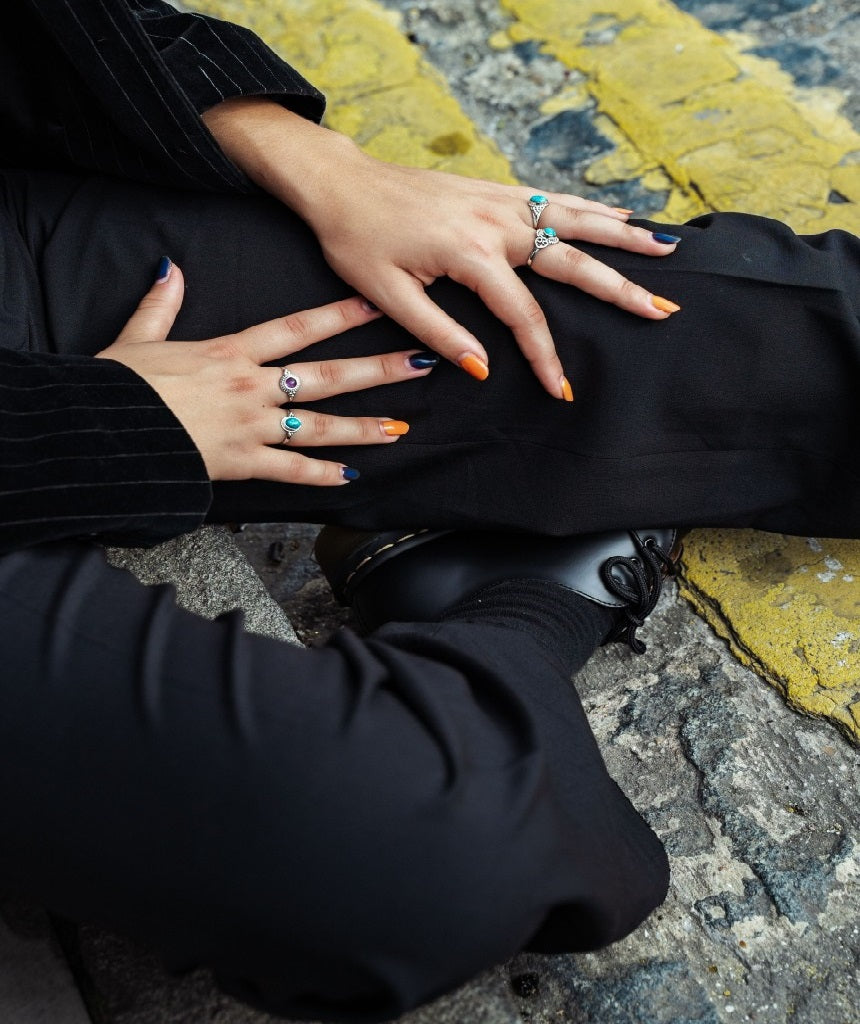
pixel 537 204
pixel 289 384
pixel 543 238
pixel 289 424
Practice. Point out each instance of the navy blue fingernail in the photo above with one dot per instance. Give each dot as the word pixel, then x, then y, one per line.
pixel 164 268
pixel 349 474
pixel 423 360
pixel 659 236
pixel 371 307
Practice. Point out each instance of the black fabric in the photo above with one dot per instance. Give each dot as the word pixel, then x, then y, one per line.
pixel 341 833
pixel 117 87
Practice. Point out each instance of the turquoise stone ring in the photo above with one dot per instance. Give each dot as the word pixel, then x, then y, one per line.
pixel 537 204
pixel 289 424
pixel 543 238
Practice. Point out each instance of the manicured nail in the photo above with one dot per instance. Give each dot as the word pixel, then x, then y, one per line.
pixel 566 390
pixel 164 268
pixel 394 428
pixel 423 360
pixel 664 305
pixel 368 306
pixel 349 474
pixel 664 239
pixel 620 209
pixel 474 366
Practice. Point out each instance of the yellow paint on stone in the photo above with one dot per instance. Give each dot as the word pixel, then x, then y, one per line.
pixel 728 129
pixel 790 608
pixel 380 92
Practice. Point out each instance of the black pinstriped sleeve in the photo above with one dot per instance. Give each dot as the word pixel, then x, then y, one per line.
pixel 118 86
pixel 87 447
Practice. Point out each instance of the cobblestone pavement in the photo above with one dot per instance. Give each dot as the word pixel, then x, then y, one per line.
pixel 757 806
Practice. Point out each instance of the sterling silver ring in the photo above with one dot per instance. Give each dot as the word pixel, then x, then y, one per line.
pixel 537 204
pixel 289 424
pixel 289 384
pixel 543 238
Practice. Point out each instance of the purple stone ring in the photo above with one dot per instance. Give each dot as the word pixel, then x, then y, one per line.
pixel 289 384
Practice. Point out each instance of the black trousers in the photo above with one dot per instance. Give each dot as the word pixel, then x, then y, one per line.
pixel 343 833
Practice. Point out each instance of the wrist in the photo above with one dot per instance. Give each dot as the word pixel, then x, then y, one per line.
pixel 294 159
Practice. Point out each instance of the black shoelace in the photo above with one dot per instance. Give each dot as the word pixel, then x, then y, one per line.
pixel 638 585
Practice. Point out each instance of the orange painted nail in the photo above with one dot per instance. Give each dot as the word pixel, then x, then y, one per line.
pixel 394 428
pixel 664 305
pixel 566 390
pixel 474 366
pixel 620 209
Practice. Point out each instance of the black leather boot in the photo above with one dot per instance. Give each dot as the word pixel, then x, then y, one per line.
pixel 416 575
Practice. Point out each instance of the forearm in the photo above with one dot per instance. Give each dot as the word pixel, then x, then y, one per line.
pixel 294 159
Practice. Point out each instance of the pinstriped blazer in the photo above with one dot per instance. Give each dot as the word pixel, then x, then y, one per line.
pixel 117 86
pixel 114 87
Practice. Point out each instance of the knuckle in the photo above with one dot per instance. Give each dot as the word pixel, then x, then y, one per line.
pixel 532 314
pixel 319 428
pixel 331 375
pixel 629 294
pixel 223 348
pixel 575 260
pixel 297 327
pixel 387 368
pixel 242 384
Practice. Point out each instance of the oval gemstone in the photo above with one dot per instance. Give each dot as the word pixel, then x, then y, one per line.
pixel 291 423
pixel 549 232
pixel 291 382
pixel 538 199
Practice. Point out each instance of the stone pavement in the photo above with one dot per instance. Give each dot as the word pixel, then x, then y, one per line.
pixel 658 106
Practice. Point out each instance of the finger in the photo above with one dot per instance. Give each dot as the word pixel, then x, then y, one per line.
pixel 339 376
pixel 510 300
pixel 285 335
pixel 301 428
pixel 403 298
pixel 155 315
pixel 591 227
pixel 289 467
pixel 578 203
pixel 569 265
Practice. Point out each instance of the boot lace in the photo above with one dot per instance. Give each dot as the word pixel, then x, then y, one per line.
pixel 638 582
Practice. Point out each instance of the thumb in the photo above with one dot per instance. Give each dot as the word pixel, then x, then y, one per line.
pixel 158 309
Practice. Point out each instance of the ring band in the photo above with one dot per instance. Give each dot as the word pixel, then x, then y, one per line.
pixel 537 204
pixel 543 238
pixel 289 424
pixel 289 384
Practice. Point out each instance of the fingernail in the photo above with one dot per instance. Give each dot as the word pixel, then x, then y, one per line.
pixel 368 306
pixel 566 390
pixel 474 366
pixel 423 360
pixel 164 268
pixel 620 209
pixel 349 474
pixel 394 428
pixel 659 236
pixel 664 305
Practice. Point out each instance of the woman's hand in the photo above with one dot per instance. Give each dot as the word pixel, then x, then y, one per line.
pixel 390 231
pixel 231 405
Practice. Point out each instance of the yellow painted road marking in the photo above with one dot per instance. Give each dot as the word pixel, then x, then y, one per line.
pixel 729 130
pixel 790 608
pixel 688 110
pixel 380 92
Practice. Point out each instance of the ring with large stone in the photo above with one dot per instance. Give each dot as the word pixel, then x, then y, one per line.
pixel 543 238
pixel 289 384
pixel 289 424
pixel 537 204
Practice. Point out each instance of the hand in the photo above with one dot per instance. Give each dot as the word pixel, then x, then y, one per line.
pixel 390 231
pixel 230 404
